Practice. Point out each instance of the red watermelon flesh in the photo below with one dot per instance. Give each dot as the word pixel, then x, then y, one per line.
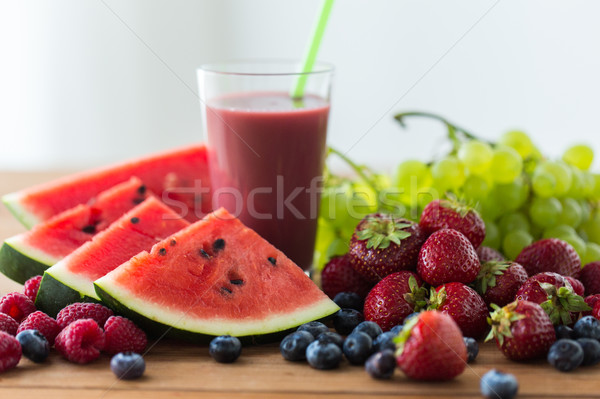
pixel 176 176
pixel 220 278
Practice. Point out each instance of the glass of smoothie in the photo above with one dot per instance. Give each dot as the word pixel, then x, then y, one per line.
pixel 266 148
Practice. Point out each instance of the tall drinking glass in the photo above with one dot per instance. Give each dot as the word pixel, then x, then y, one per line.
pixel 267 149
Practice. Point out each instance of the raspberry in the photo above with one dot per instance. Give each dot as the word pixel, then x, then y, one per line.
pixel 8 324
pixel 31 287
pixel 17 306
pixel 81 341
pixel 45 324
pixel 79 310
pixel 10 351
pixel 122 335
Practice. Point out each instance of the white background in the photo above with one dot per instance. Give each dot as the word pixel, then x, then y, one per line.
pixel 78 88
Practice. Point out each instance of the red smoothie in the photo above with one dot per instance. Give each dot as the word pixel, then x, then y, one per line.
pixel 266 157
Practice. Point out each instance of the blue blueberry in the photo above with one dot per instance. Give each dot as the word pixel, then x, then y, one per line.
pixel 498 385
pixel 563 331
pixel 381 365
pixel 410 316
pixel 396 329
pixel 357 348
pixel 349 300
pixel 384 341
pixel 591 351
pixel 225 349
pixel 371 328
pixel 332 337
pixel 587 327
pixel 472 348
pixel 314 327
pixel 34 345
pixel 323 355
pixel 565 355
pixel 128 365
pixel 293 346
pixel 345 320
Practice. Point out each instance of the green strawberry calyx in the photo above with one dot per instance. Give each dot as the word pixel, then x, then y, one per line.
pixel 561 302
pixel 461 207
pixel 417 295
pixel 436 298
pixel 380 233
pixel 501 320
pixel 488 273
pixel 403 336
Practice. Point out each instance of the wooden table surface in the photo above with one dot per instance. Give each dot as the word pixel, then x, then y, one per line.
pixel 182 370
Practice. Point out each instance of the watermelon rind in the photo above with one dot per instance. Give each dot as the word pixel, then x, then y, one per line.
pixel 161 321
pixel 13 202
pixel 20 262
pixel 54 295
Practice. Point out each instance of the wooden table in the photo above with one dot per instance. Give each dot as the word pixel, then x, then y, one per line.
pixel 182 370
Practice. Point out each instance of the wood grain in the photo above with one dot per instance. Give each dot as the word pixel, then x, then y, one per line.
pixel 181 370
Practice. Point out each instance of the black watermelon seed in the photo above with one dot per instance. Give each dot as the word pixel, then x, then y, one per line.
pixel 89 229
pixel 173 242
pixel 237 282
pixel 272 260
pixel 162 251
pixel 141 189
pixel 226 290
pixel 135 220
pixel 204 254
pixel 219 244
pixel 138 201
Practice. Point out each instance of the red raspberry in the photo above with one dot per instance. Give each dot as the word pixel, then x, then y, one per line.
pixel 31 287
pixel 17 306
pixel 79 310
pixel 122 335
pixel 45 324
pixel 81 341
pixel 8 324
pixel 10 351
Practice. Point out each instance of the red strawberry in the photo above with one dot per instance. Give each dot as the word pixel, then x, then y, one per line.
pixel 394 298
pixel 596 311
pixel 591 300
pixel 338 276
pixel 577 285
pixel 464 305
pixel 487 254
pixel 590 277
pixel 383 244
pixel 451 214
pixel 550 255
pixel 447 256
pixel 431 347
pixel 522 330
pixel 498 282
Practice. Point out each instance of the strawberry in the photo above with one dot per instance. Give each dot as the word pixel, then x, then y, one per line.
pixel 431 347
pixel 338 276
pixel 498 282
pixel 590 277
pixel 452 214
pixel 394 298
pixel 487 254
pixel 447 256
pixel 464 305
pixel 522 330
pixel 577 285
pixel 591 300
pixel 383 244
pixel 550 255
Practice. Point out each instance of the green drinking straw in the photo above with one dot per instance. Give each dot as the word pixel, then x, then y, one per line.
pixel 310 57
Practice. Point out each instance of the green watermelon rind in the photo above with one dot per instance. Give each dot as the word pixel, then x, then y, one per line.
pixel 20 261
pixel 13 202
pixel 54 295
pixel 147 316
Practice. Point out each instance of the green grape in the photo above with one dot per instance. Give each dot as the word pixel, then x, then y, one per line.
pixel 489 208
pixel 476 187
pixel 577 189
pixel 592 228
pixel 545 211
pixel 492 235
pixel 586 210
pixel 562 174
pixel 411 177
pixel 577 243
pixel 580 156
pixel 518 140
pixel 325 236
pixel 448 173
pixel 513 221
pixel 588 184
pixel 592 253
pixel 543 184
pixel 506 165
pixel 559 231
pixel 571 212
pixel 511 196
pixel 476 156
pixel 514 242
pixel 596 192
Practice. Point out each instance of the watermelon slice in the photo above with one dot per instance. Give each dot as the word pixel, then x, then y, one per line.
pixel 179 177
pixel 29 254
pixel 220 278
pixel 72 279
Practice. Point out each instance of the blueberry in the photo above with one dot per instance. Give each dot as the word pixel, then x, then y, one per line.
pixel 323 356
pixel 563 331
pixel 472 348
pixel 34 345
pixel 293 346
pixel 565 355
pixel 384 341
pixel 225 349
pixel 345 320
pixel 410 316
pixel 591 351
pixel 349 300
pixel 381 365
pixel 396 329
pixel 370 328
pixel 587 327
pixel 314 327
pixel 358 346
pixel 498 385
pixel 128 365
pixel 332 337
